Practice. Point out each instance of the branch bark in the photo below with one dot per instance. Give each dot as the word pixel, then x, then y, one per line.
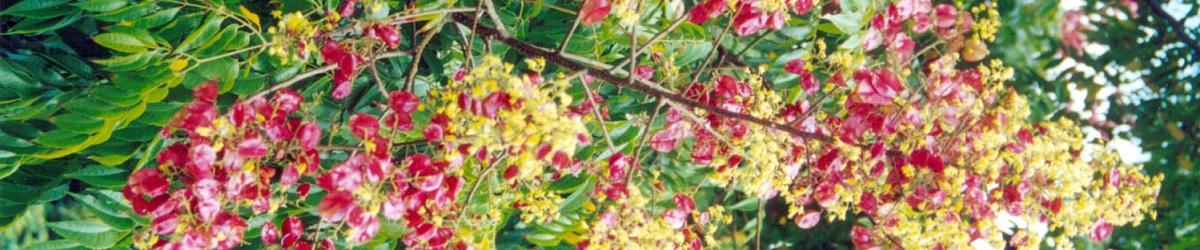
pixel 1157 9
pixel 599 69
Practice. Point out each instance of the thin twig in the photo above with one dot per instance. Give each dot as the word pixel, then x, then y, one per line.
pixel 758 235
pixel 716 44
pixel 318 71
pixel 375 75
pixel 646 86
pixel 653 39
pixel 574 25
pixel 416 62
pixel 650 123
pixel 752 43
pixel 491 10
pixel 596 111
pixel 1180 31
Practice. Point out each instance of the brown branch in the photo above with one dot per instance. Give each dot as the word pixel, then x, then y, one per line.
pixel 416 62
pixel 648 87
pixel 1156 8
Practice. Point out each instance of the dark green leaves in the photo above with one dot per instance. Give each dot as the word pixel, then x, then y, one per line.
pixel 59 138
pixel 101 176
pixel 100 5
pixel 36 9
pixel 90 234
pixel 107 206
pixel 122 42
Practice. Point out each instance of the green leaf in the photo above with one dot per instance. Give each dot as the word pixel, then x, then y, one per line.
pixel 157 19
pixel 23 8
pixel 205 31
pixel 107 210
pixel 15 193
pixel 846 22
pixel 78 123
pixel 567 183
pixel 133 82
pixel 38 26
pixel 750 204
pixel 854 41
pixel 132 62
pixel 53 245
pixel 116 96
pixel 249 85
pixel 796 32
pixel 52 194
pixel 94 107
pixel 224 70
pixel 128 12
pixel 90 234
pixel 160 113
pixel 11 80
pixel 111 159
pixel 122 42
pixel 59 138
pixel 100 5
pixel 101 176
pixel 543 239
pixel 576 200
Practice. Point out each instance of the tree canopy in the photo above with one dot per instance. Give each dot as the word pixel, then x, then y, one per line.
pixel 602 124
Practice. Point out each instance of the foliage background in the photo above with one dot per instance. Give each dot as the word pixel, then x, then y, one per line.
pixel 62 94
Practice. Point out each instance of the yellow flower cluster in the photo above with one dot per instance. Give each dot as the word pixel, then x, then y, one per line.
pixel 539 206
pixel 1051 176
pixel 539 116
pixel 535 118
pixel 627 225
pixel 765 153
pixel 988 21
pixel 292 37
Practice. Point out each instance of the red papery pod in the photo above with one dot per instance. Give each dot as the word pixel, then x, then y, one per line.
pixel 287 100
pixel 1101 230
pixel 252 148
pixel 878 87
pixel 749 20
pixel 593 11
pixel 363 226
pixel 709 9
pixel 678 216
pixel 146 183
pixel 436 128
pixel 347 65
pixel 384 33
pixel 336 205
pixel 645 72
pixel 293 230
pixel 945 16
pixel 403 101
pixel 364 126
pixel 808 220
pixel 861 237
pixel 347 8
pixel 232 226
pixel 928 159
pixel 269 234
pixel 802 6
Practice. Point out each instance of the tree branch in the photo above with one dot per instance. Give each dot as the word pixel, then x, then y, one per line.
pixel 1156 8
pixel 648 87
